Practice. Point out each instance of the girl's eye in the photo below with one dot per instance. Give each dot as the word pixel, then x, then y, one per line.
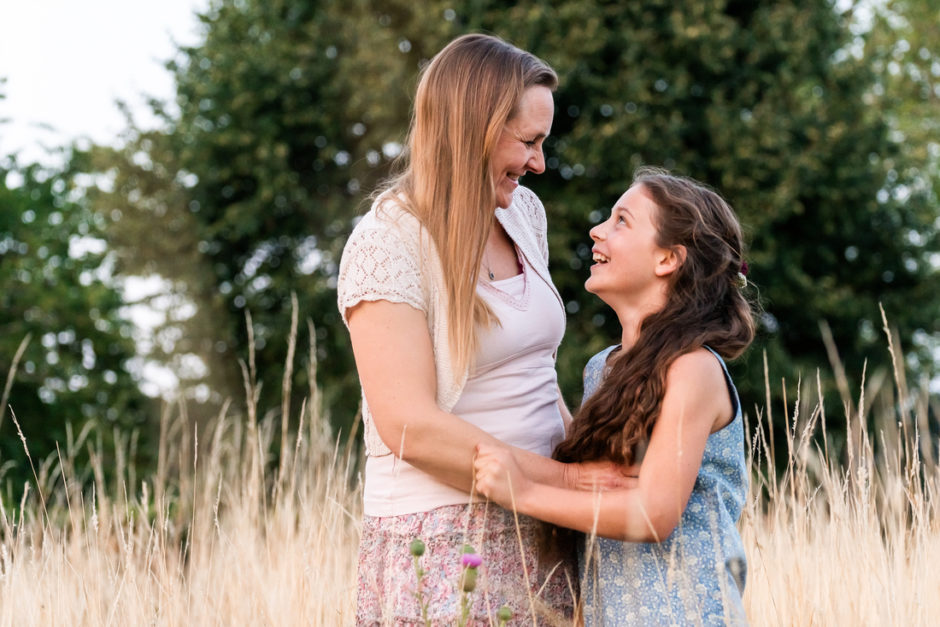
pixel 620 220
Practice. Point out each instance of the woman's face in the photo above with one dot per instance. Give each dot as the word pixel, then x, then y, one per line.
pixel 519 149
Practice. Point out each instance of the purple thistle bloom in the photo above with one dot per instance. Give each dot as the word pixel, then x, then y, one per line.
pixel 470 560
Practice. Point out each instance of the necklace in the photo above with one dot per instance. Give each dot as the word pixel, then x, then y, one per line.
pixel 489 271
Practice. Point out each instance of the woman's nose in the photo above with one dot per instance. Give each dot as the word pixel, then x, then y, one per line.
pixel 536 162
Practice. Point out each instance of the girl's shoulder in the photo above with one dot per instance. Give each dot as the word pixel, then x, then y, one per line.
pixel 599 359
pixel 701 366
pixel 699 379
pixel 595 369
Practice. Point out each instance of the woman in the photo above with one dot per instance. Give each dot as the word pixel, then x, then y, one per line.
pixel 454 323
pixel 669 263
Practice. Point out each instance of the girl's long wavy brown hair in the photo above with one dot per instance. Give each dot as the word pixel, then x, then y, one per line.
pixel 704 307
pixel 466 94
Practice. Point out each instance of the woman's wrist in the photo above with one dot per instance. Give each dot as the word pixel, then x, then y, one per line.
pixel 540 468
pixel 570 474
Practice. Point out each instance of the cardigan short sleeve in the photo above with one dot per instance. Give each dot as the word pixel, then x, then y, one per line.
pixel 382 261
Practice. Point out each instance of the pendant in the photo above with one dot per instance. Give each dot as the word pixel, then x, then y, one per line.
pixel 492 276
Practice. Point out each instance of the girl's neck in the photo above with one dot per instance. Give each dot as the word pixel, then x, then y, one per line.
pixel 628 337
pixel 630 320
pixel 630 330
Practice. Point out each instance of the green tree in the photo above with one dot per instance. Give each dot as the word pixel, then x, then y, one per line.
pixel 765 101
pixel 290 111
pixel 58 302
pixel 902 44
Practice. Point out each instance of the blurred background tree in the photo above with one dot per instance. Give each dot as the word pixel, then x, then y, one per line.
pixel 904 54
pixel 290 112
pixel 62 317
pixel 771 103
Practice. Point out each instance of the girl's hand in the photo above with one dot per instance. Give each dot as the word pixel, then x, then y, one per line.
pixel 498 476
pixel 600 476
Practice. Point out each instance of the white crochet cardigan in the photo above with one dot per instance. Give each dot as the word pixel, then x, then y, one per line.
pixel 390 257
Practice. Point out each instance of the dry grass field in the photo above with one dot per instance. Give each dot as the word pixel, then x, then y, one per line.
pixel 220 534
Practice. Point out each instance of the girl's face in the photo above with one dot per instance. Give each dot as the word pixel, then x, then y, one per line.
pixel 628 263
pixel 519 149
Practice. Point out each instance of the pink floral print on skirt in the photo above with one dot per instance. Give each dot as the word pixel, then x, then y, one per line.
pixel 511 573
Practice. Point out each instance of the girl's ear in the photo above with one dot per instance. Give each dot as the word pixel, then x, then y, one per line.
pixel 670 260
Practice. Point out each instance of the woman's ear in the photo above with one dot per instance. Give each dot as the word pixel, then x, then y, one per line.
pixel 670 260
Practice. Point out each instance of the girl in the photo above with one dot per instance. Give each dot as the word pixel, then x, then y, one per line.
pixel 669 262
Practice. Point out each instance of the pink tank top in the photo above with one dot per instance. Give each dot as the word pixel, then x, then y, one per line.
pixel 511 393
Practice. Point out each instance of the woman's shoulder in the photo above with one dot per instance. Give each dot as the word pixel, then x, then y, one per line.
pixel 387 235
pixel 382 260
pixel 388 213
pixel 388 226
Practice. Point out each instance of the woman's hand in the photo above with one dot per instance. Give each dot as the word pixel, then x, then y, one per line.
pixel 498 476
pixel 600 476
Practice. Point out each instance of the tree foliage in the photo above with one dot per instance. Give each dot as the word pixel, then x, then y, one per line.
pixel 902 48
pixel 61 316
pixel 290 112
pixel 762 101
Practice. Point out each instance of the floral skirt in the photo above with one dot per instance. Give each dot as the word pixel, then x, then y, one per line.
pixel 511 574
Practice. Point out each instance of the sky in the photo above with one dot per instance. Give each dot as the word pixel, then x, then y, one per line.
pixel 66 62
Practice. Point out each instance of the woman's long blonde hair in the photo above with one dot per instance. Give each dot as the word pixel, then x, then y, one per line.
pixel 465 96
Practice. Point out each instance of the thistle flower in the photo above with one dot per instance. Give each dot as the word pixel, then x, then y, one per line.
pixel 417 547
pixel 469 580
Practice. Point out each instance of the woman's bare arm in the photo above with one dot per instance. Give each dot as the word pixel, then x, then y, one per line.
pixel 395 361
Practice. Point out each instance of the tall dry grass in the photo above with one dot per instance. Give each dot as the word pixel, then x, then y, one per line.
pixel 848 533
pixel 220 534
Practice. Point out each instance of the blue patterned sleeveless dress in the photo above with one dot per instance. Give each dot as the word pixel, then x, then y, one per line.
pixel 696 576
